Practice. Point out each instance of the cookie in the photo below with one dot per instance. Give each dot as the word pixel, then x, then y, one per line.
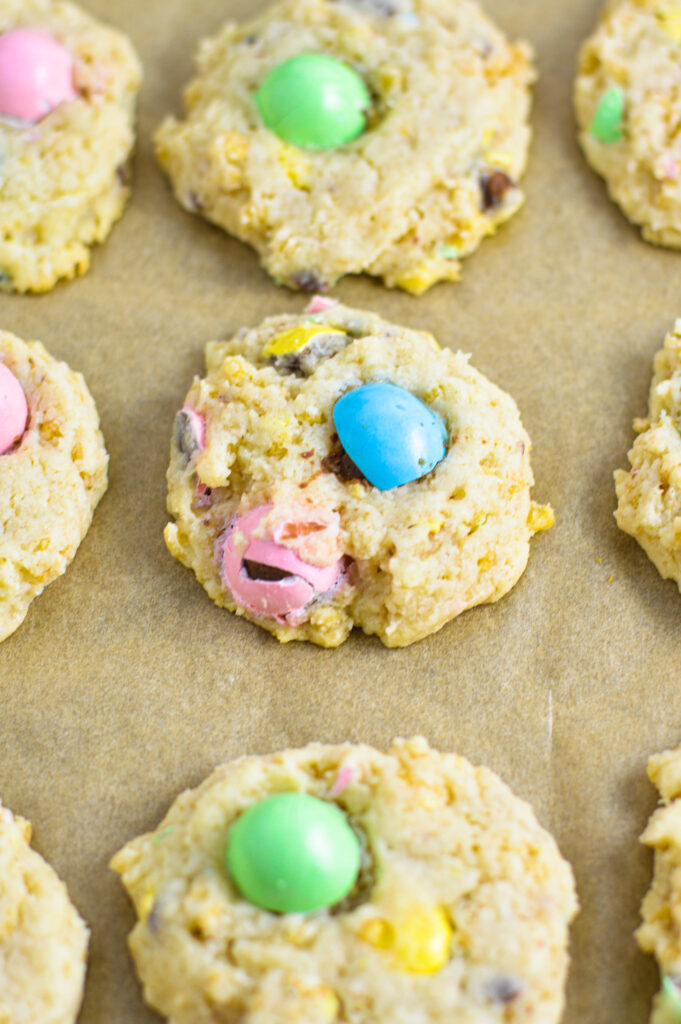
pixel 43 941
pixel 385 137
pixel 333 469
pixel 67 96
pixel 628 106
pixel 459 908
pixel 660 932
pixel 53 468
pixel 649 495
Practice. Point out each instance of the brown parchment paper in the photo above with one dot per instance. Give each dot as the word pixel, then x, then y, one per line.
pixel 125 684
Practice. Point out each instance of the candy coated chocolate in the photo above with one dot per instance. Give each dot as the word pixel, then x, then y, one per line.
pixel 295 339
pixel 270 597
pixel 606 125
pixel 36 75
pixel 293 853
pixel 314 101
pixel 390 435
pixel 13 409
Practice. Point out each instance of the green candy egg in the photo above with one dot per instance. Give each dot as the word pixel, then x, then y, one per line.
pixel 606 125
pixel 314 101
pixel 293 853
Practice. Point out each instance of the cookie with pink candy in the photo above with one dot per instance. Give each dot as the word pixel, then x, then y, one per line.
pixel 68 87
pixel 53 470
pixel 334 470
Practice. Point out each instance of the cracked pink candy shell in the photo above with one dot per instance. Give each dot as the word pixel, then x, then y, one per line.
pixel 273 598
pixel 13 409
pixel 36 75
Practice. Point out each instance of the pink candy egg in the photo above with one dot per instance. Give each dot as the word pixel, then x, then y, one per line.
pixel 36 75
pixel 13 409
pixel 275 598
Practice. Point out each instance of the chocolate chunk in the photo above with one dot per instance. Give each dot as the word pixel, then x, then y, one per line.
pixel 307 281
pixel 260 571
pixel 339 462
pixel 184 437
pixel 504 989
pixel 494 185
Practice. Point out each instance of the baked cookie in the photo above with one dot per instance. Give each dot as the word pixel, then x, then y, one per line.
pixel 628 107
pixel 43 941
pixel 52 472
pixel 67 96
pixel 660 932
pixel 337 137
pixel 456 905
pixel 333 469
pixel 649 494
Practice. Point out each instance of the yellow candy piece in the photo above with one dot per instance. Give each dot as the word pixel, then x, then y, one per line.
pixel 376 932
pixel 146 904
pixel 541 517
pixel 295 339
pixel 422 939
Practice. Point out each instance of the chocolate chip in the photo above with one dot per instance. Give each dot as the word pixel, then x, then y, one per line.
pixel 184 437
pixel 504 988
pixel 494 185
pixel 339 462
pixel 307 281
pixel 260 571
pixel 124 173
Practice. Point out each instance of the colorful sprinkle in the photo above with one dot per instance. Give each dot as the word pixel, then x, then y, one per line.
pixel 606 125
pixel 343 780
pixel 448 252
pixel 672 995
pixel 319 304
pixel 163 834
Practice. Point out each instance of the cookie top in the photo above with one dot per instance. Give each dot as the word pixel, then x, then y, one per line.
pixel 435 169
pixel 43 941
pixel 660 932
pixel 51 479
pixel 460 909
pixel 256 459
pixel 63 174
pixel 649 506
pixel 628 106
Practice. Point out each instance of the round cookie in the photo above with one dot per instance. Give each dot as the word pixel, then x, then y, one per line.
pixel 628 106
pixel 67 96
pixel 435 170
pixel 281 525
pixel 660 934
pixel 43 941
pixel 460 910
pixel 649 495
pixel 51 478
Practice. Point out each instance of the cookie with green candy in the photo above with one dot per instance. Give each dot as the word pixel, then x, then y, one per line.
pixel 628 106
pixel 340 883
pixel 341 137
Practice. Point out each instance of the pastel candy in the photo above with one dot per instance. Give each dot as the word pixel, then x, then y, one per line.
pixel 314 101
pixel 13 409
pixel 296 339
pixel 36 75
pixel 293 853
pixel 274 598
pixel 390 435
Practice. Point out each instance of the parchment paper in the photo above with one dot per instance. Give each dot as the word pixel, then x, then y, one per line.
pixel 126 684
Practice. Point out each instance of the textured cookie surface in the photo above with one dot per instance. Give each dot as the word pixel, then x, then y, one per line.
pixel 660 932
pixel 63 180
pixel 447 846
pixel 50 483
pixel 43 941
pixel 436 170
pixel 633 57
pixel 649 506
pixel 413 556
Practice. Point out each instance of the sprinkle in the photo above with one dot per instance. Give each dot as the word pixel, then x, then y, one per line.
pixel 600 561
pixel 447 252
pixel 343 780
pixel 606 125
pixel 163 834
pixel 671 994
pixel 146 904
pixel 610 579
pixel 319 303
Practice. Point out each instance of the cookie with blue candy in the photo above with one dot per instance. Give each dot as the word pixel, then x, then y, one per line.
pixel 385 137
pixel 334 470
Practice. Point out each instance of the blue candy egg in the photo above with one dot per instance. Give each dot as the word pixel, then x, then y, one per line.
pixel 390 435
